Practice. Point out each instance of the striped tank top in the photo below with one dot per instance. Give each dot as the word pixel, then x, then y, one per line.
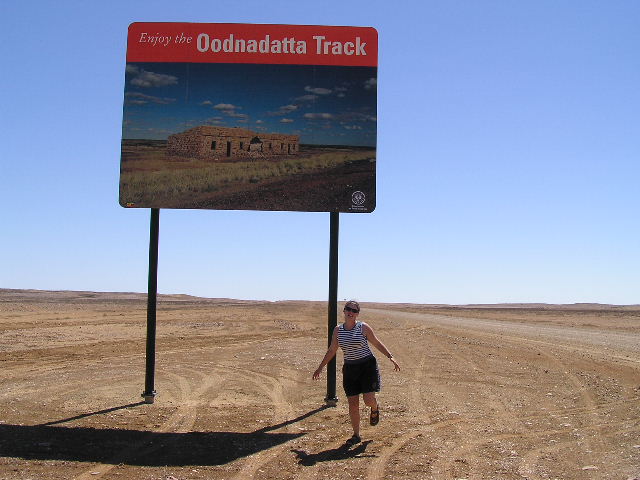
pixel 354 344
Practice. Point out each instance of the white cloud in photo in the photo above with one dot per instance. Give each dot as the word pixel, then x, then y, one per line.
pixel 136 98
pixel 357 117
pixel 230 110
pixel 286 120
pixel 132 69
pixel 145 79
pixel 306 98
pixel 284 110
pixel 227 107
pixel 318 116
pixel 317 90
pixel 213 121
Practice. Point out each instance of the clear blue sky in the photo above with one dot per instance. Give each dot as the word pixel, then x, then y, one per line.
pixel 508 158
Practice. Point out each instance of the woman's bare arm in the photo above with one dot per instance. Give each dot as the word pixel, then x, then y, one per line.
pixel 331 352
pixel 373 340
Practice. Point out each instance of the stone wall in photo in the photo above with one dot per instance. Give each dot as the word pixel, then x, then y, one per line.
pixel 229 143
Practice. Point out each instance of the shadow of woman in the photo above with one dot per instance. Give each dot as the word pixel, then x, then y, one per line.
pixel 341 453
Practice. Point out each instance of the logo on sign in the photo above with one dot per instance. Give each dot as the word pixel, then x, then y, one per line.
pixel 358 198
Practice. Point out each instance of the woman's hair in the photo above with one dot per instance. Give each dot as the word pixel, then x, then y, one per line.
pixel 353 303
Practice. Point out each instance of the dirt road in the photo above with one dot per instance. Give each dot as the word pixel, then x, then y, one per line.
pixel 537 392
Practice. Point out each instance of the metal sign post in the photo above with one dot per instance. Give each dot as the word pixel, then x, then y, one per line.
pixel 331 398
pixel 154 233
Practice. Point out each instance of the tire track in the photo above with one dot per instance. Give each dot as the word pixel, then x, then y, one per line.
pixel 530 460
pixel 282 411
pixel 590 411
pixel 181 421
pixel 421 381
pixel 492 403
pixel 377 469
pixel 505 418
pixel 602 409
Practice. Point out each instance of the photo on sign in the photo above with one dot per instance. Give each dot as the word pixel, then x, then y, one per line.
pixel 249 137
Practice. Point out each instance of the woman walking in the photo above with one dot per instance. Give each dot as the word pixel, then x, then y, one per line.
pixel 360 374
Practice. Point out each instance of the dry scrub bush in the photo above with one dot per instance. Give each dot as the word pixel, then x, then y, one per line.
pixel 146 180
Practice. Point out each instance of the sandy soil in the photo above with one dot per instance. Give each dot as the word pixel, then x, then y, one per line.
pixel 504 392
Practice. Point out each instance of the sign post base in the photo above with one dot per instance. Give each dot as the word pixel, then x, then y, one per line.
pixel 149 397
pixel 331 402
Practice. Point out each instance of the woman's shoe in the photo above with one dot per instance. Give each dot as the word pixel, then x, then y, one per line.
pixel 374 418
pixel 353 440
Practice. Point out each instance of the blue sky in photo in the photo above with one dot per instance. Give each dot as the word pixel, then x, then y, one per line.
pixel 507 145
pixel 323 104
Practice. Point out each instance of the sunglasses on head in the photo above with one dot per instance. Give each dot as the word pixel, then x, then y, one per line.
pixel 354 310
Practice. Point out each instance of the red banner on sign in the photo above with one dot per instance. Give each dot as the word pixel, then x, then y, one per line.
pixel 250 43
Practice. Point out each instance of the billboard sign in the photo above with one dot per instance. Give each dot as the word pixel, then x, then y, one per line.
pixel 250 117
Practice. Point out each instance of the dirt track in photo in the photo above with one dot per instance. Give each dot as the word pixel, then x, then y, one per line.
pixel 486 392
pixel 318 179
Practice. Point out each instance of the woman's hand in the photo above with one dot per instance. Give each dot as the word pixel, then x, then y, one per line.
pixel 316 374
pixel 395 364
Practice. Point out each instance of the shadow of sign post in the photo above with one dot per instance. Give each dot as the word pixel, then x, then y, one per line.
pixel 50 441
pixel 133 447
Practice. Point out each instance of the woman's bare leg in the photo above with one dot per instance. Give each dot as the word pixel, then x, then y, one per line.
pixel 354 413
pixel 370 400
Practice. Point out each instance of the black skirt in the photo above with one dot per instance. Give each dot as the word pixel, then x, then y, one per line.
pixel 361 377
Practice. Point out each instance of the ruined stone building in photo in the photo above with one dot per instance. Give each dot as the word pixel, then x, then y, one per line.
pixel 227 143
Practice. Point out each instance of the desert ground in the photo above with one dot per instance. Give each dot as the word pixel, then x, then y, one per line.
pixel 485 392
pixel 319 178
